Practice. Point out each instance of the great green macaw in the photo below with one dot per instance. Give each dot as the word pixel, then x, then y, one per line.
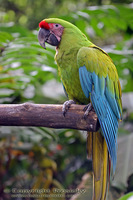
pixel 89 77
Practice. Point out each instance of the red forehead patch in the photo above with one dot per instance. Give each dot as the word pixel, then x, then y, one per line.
pixel 44 24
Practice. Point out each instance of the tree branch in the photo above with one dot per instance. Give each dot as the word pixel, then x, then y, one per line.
pixel 46 115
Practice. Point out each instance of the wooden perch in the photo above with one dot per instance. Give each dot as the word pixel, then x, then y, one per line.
pixel 46 115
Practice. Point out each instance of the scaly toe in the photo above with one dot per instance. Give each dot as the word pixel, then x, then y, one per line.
pixel 66 106
pixel 87 109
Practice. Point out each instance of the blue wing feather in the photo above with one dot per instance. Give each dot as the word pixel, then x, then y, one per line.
pixel 85 81
pixel 101 100
pixel 112 101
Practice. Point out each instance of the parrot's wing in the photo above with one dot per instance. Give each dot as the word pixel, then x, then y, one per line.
pixel 98 77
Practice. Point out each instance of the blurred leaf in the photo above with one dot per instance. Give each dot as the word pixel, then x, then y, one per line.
pixel 5 38
pixel 125 157
pixel 128 196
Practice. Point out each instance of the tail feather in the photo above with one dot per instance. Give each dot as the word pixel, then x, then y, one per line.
pixel 89 145
pixel 97 150
pixel 105 170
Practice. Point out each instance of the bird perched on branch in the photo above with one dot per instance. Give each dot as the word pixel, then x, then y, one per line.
pixel 89 77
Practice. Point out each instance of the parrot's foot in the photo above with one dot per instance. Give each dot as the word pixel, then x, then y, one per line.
pixel 66 106
pixel 87 109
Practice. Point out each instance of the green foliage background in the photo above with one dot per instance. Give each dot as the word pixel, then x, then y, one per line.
pixel 33 158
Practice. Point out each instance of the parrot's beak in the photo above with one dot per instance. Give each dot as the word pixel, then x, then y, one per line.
pixel 45 35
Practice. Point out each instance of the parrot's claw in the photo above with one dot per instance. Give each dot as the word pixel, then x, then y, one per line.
pixel 87 109
pixel 66 106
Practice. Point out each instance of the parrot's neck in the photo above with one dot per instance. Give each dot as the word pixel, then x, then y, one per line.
pixel 72 38
pixel 70 44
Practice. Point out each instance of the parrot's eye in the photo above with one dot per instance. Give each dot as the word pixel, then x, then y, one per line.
pixel 56 25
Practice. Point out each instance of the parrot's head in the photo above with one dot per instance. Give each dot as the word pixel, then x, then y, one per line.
pixel 54 30
pixel 50 33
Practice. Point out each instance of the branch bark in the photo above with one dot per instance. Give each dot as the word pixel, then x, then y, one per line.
pixel 46 115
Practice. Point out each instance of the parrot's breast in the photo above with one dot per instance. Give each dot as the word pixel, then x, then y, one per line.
pixel 69 74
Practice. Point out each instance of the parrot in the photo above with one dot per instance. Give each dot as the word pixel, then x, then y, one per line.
pixel 89 78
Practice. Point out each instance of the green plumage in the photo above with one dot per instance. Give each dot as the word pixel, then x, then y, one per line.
pixel 66 57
